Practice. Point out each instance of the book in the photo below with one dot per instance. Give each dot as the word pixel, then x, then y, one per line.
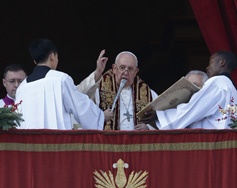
pixel 180 92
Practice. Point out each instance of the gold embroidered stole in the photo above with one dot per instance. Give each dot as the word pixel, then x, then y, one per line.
pixel 108 90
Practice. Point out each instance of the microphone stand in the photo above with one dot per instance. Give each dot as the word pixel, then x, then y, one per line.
pixel 122 84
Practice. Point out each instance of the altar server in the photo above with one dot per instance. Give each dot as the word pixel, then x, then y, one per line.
pixel 202 111
pixel 49 96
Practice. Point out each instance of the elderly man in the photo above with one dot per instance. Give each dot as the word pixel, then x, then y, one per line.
pixel 13 75
pixel 135 95
pixel 197 77
pixel 202 111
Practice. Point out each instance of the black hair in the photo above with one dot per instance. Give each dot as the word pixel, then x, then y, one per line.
pixel 40 50
pixel 229 57
pixel 13 67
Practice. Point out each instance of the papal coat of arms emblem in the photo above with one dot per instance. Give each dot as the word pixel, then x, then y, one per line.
pixel 135 180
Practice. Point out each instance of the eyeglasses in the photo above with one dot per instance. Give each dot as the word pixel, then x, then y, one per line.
pixel 122 69
pixel 11 82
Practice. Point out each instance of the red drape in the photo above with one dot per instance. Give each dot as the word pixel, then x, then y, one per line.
pixel 217 20
pixel 75 159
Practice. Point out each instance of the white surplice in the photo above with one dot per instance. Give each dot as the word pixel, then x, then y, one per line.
pixel 48 102
pixel 202 111
pixel 2 103
pixel 90 87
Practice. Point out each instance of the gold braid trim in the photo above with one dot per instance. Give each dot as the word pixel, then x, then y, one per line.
pixel 105 147
pixel 108 90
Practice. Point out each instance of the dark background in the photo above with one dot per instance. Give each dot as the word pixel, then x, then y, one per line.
pixel 163 34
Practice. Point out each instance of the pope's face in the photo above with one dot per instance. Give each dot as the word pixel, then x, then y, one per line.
pixel 12 81
pixel 125 68
pixel 214 67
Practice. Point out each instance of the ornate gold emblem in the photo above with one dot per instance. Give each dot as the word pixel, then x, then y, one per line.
pixel 104 180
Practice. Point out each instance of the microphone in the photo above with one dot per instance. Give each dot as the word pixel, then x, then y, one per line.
pixel 122 84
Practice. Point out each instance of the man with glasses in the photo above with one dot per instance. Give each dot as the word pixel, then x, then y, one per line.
pixel 135 95
pixel 13 75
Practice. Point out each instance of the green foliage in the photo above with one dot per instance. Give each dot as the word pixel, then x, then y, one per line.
pixel 234 124
pixel 9 118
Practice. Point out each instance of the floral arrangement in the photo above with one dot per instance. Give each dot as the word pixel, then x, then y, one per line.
pixel 9 117
pixel 231 111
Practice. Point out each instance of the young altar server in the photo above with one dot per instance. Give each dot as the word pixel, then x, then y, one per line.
pixel 49 96
pixel 202 111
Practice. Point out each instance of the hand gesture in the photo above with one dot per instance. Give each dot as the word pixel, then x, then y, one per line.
pixel 100 65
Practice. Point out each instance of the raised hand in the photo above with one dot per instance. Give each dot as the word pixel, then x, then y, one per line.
pixel 100 65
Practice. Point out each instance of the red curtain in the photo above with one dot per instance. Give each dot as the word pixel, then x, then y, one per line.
pixel 82 159
pixel 217 20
